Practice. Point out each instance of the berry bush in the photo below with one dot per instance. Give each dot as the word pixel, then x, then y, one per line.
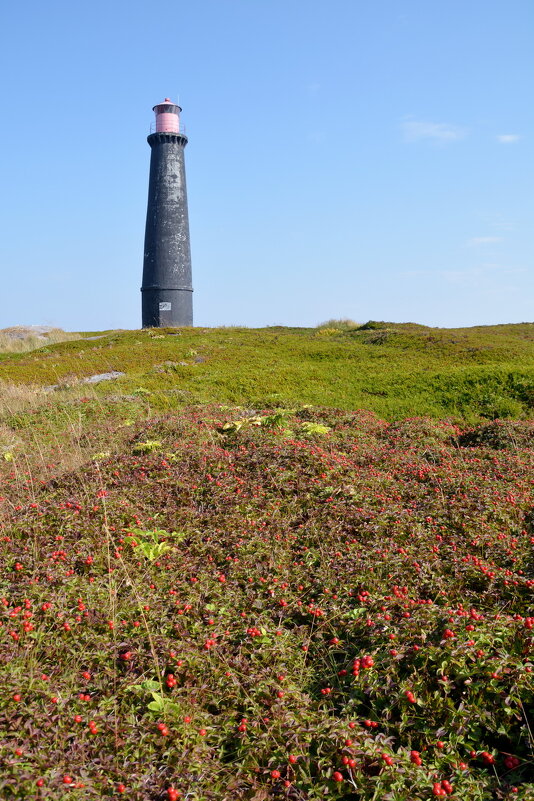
pixel 287 604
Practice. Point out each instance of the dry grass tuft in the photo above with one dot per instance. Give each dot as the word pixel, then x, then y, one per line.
pixel 18 397
pixel 344 324
pixel 22 339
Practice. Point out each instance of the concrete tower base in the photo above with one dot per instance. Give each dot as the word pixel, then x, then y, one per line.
pixel 166 307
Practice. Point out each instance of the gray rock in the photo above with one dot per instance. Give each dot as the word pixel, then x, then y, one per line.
pixel 95 379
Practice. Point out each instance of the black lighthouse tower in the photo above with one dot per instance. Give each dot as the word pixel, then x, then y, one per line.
pixel 167 291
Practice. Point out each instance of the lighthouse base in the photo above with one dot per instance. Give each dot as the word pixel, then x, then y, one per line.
pixel 172 308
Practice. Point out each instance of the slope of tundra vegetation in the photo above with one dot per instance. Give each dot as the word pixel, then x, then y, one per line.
pixel 395 370
pixel 276 564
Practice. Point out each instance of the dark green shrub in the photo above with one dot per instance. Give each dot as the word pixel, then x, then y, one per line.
pixel 501 435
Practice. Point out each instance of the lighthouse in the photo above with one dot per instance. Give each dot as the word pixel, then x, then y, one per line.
pixel 167 293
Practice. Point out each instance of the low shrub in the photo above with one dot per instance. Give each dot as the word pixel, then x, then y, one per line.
pixel 342 324
pixel 270 613
pixel 501 435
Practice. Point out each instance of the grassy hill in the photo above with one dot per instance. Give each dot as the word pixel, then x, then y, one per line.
pixel 268 564
pixel 395 370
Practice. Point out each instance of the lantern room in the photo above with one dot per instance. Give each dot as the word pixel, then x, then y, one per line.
pixel 167 117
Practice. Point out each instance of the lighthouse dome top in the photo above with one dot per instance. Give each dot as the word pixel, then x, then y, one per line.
pixel 166 104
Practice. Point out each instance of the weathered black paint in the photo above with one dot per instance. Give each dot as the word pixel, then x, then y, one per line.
pixel 167 261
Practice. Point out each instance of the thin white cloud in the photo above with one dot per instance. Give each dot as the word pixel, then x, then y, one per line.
pixel 313 89
pixel 508 139
pixel 416 130
pixel 471 276
pixel 484 240
pixel 316 137
pixel 481 271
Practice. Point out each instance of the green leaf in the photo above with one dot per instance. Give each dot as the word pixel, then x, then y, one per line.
pixel 314 428
pixel 157 705
pixel 148 541
pixel 150 685
pixel 163 705
pixel 146 447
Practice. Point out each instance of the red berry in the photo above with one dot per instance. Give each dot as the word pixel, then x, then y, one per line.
pixel 415 757
pixel 121 788
pixel 275 774
pixel 337 776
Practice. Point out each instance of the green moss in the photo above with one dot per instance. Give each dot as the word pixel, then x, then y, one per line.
pixel 392 369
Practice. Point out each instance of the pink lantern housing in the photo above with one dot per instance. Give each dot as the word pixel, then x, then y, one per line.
pixel 167 117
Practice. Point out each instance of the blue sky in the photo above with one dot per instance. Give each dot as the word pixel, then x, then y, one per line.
pixel 371 160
